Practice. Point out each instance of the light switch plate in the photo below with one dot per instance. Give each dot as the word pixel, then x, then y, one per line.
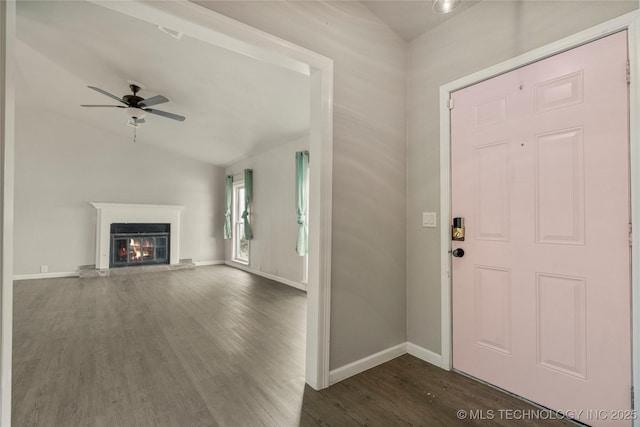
pixel 429 219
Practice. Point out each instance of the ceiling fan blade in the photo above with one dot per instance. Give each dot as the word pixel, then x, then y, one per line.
pixel 104 92
pixel 154 100
pixel 116 106
pixel 165 114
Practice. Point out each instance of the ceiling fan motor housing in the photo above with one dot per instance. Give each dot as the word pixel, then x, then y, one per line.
pixel 133 100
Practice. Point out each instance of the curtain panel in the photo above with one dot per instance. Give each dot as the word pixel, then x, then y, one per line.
pixel 248 197
pixel 302 201
pixel 228 197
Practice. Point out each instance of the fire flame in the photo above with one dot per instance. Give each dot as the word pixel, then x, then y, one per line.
pixel 136 250
pixel 134 247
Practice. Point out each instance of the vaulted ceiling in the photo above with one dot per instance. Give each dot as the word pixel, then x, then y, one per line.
pixel 235 106
pixel 411 18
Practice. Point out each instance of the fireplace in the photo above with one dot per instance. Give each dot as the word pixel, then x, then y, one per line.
pixel 139 244
pixel 126 213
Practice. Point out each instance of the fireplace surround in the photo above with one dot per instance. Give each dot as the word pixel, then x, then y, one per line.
pixel 121 213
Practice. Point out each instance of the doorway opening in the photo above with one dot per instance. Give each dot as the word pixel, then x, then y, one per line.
pixel 198 22
pixel 240 246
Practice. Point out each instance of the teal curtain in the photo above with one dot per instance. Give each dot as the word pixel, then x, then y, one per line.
pixel 248 196
pixel 302 201
pixel 228 196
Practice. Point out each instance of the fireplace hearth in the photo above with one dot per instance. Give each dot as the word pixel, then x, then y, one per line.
pixel 139 244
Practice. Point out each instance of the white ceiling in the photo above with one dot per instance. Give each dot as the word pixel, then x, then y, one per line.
pixel 411 18
pixel 235 106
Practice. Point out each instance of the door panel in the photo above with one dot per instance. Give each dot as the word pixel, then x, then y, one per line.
pixel 493 308
pixel 491 197
pixel 540 173
pixel 561 323
pixel 559 186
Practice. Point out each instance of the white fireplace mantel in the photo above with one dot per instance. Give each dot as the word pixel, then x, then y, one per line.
pixel 109 213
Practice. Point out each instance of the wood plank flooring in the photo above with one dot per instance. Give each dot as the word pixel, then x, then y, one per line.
pixel 214 346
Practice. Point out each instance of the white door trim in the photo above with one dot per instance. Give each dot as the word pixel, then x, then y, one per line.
pixel 7 134
pixel 204 24
pixel 629 22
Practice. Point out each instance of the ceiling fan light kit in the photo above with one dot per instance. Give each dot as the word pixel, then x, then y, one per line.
pixel 131 122
pixel 135 113
pixel 135 121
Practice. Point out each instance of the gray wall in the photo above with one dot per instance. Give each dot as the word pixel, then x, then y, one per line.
pixel 273 211
pixel 368 291
pixel 481 36
pixel 61 165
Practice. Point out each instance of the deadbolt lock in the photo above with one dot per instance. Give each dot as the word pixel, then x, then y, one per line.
pixel 457 229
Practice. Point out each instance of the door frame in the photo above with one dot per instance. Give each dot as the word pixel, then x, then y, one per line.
pixel 629 22
pixel 212 27
pixel 7 137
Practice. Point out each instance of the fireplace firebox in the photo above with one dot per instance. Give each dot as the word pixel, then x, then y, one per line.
pixel 139 244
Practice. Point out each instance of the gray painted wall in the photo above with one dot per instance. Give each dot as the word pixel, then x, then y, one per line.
pixel 273 214
pixel 61 165
pixel 386 267
pixel 368 291
pixel 481 36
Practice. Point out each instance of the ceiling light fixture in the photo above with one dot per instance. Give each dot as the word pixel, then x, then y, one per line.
pixel 136 116
pixel 136 113
pixel 134 123
pixel 445 6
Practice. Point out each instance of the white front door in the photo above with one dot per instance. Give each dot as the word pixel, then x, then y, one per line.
pixel 540 174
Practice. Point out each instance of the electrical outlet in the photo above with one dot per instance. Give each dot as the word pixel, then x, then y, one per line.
pixel 44 269
pixel 429 219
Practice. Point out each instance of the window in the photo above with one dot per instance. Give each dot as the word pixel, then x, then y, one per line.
pixel 240 244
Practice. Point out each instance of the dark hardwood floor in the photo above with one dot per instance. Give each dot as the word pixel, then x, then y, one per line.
pixel 206 347
pixel 409 392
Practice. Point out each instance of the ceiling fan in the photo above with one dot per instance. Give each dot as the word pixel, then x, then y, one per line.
pixel 137 106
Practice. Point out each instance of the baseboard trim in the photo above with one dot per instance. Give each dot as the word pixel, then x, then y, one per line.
pixel 424 354
pixel 203 263
pixel 366 363
pixel 46 275
pixel 77 274
pixel 282 280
